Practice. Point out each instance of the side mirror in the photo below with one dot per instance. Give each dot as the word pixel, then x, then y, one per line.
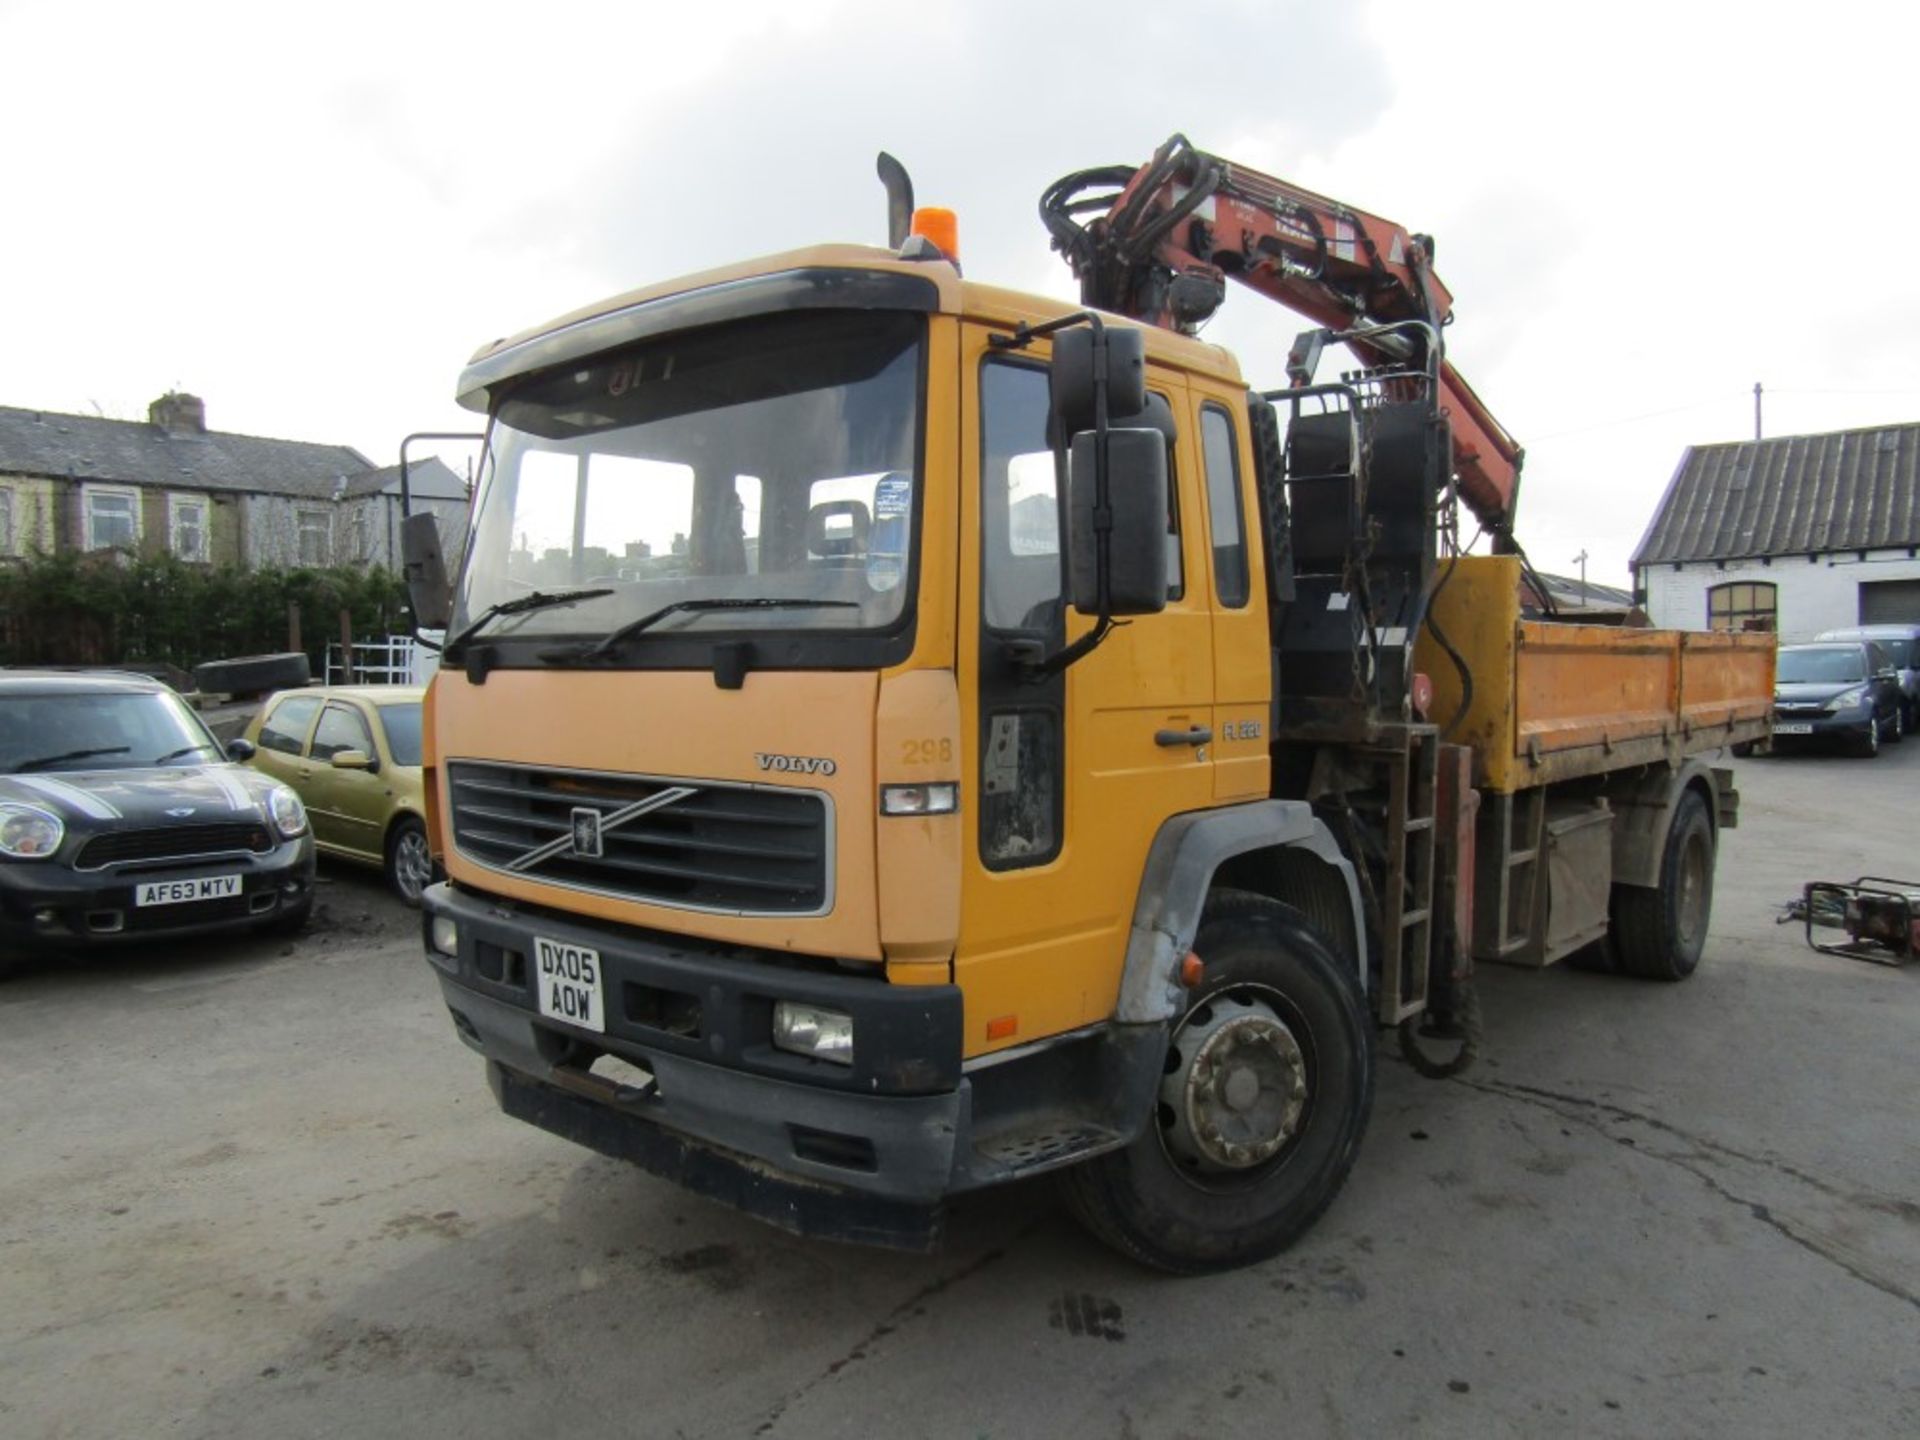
pixel 1137 539
pixel 425 566
pixel 353 760
pixel 1080 355
pixel 241 749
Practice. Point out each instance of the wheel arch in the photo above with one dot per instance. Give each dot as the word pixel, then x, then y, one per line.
pixel 1275 848
pixel 1643 807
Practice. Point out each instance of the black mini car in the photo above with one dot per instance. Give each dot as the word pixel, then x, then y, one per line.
pixel 121 818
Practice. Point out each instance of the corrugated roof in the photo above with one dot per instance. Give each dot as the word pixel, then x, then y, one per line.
pixel 134 452
pixel 428 479
pixel 1793 495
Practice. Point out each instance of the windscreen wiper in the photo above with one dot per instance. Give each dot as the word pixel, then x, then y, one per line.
pixel 185 750
pixel 605 644
pixel 39 760
pixel 533 600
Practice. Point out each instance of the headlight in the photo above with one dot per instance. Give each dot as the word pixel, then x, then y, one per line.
pixel 1847 699
pixel 29 833
pixel 813 1030
pixel 289 815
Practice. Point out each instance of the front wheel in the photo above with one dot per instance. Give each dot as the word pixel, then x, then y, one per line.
pixel 409 862
pixel 1265 1093
pixel 1869 744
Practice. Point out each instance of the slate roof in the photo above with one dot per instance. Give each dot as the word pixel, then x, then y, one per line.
pixel 428 479
pixel 134 452
pixel 1794 495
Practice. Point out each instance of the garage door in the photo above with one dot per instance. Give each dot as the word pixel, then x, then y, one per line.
pixel 1890 602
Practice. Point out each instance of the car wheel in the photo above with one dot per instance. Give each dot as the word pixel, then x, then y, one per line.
pixel 1265 1094
pixel 1659 932
pixel 1898 731
pixel 409 862
pixel 1869 744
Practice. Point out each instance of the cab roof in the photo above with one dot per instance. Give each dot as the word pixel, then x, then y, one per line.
pixel 952 295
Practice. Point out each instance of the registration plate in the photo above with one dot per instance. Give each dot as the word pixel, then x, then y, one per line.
pixel 1793 729
pixel 568 984
pixel 185 892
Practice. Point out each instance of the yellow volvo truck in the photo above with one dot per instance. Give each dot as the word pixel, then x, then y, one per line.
pixel 897 736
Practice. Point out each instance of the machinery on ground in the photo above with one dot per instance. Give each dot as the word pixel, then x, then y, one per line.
pixel 898 736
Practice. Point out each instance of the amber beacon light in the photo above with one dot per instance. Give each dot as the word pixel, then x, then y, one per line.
pixel 940 226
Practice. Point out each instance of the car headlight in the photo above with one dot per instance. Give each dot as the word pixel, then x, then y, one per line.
pixel 29 833
pixel 1847 699
pixel 289 815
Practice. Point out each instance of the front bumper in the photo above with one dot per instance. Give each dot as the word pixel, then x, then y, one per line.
pixel 1848 725
pixel 863 1152
pixel 47 905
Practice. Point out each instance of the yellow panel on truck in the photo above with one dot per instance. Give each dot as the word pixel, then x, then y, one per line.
pixel 1544 701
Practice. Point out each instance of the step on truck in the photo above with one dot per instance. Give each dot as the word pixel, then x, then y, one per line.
pixel 897 735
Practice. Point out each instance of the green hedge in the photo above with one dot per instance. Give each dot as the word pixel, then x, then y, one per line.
pixel 113 609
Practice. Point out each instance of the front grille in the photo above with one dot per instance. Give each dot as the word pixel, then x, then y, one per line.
pixel 749 849
pixel 122 847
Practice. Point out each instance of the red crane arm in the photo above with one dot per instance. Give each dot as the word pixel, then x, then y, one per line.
pixel 1165 241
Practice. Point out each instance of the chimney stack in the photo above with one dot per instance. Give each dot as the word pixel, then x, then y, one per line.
pixel 178 413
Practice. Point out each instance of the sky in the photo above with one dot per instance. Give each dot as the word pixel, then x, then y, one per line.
pixel 311 216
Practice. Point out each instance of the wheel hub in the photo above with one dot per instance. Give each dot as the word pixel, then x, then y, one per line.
pixel 1236 1088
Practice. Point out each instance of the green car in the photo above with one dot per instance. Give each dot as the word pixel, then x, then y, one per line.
pixel 353 755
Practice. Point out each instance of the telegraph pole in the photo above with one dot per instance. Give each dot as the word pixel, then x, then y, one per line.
pixel 1581 561
pixel 1756 409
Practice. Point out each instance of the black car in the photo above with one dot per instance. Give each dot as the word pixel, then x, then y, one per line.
pixel 1845 690
pixel 122 818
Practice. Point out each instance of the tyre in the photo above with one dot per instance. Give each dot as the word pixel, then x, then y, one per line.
pixel 1266 1091
pixel 1898 731
pixel 253 674
pixel 1658 934
pixel 1868 745
pixel 409 862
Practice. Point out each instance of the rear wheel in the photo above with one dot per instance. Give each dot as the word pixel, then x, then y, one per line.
pixel 1897 731
pixel 1658 933
pixel 409 862
pixel 1868 745
pixel 1267 1084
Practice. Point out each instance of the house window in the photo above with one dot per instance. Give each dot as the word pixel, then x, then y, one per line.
pixel 113 518
pixel 1741 605
pixel 189 520
pixel 316 536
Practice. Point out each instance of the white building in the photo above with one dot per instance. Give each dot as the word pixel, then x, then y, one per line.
pixel 1797 534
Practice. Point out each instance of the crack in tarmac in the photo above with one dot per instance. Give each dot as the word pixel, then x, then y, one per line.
pixel 1552 1100
pixel 890 1323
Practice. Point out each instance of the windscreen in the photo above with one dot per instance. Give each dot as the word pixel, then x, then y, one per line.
pixel 1834 664
pixel 95 731
pixel 772 460
pixel 402 724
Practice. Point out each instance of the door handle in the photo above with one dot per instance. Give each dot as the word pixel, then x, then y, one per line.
pixel 1193 735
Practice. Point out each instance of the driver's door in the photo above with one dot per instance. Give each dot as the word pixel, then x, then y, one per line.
pixel 1071 776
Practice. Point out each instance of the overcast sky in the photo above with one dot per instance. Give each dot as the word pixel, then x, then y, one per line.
pixel 311 216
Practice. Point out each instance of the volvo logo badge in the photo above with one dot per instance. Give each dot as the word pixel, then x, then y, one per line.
pixel 586 832
pixel 796 764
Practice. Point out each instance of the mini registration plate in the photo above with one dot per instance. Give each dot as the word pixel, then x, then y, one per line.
pixel 1793 729
pixel 567 982
pixel 185 892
